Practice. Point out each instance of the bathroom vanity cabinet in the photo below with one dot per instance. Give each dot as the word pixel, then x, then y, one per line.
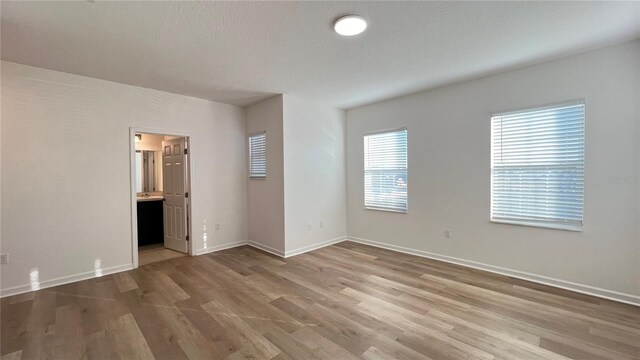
pixel 150 222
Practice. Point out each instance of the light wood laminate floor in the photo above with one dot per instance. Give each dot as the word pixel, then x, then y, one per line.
pixel 344 301
pixel 154 253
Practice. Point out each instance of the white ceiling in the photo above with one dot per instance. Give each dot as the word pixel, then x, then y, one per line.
pixel 241 52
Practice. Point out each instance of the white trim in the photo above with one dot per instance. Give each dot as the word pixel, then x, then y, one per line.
pixel 64 280
pixel 220 247
pixel 567 285
pixel 539 224
pixel 387 209
pixel 305 249
pixel 580 101
pixel 134 203
pixel 249 136
pixel 364 167
pixel 134 197
pixel 562 284
pixel 556 225
pixel 266 248
pixel 376 132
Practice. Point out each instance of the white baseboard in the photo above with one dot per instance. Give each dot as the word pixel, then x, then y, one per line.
pixel 298 251
pixel 92 274
pixel 563 284
pixel 266 248
pixel 63 280
pixel 305 249
pixel 220 247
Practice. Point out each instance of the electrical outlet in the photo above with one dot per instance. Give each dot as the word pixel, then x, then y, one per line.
pixel 217 227
pixel 4 259
pixel 309 226
pixel 447 233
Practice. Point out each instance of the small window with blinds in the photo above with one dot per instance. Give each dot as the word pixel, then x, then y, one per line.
pixel 258 156
pixel 385 171
pixel 537 167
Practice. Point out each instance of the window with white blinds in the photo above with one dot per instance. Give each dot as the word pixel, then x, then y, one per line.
pixel 258 156
pixel 537 167
pixel 385 171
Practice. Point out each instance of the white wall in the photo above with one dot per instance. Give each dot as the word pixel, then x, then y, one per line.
pixel 314 175
pixel 66 199
pixel 449 173
pixel 305 181
pixel 266 196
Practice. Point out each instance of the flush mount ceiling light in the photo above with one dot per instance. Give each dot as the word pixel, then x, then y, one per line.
pixel 350 25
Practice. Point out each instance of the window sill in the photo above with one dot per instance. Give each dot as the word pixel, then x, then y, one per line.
pixel 554 226
pixel 387 210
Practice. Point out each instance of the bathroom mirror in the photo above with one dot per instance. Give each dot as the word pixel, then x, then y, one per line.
pixel 148 176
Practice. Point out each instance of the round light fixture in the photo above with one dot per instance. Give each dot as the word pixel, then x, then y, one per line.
pixel 350 25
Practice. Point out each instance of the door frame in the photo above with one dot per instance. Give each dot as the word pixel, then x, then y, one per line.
pixel 132 178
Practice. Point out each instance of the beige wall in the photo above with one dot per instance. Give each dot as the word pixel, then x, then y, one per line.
pixel 449 183
pixel 150 142
pixel 66 195
pixel 305 184
pixel 314 175
pixel 266 196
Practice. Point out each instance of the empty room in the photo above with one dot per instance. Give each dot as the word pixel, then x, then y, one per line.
pixel 319 180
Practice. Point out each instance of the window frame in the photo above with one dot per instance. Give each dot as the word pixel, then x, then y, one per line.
pixel 364 171
pixel 249 137
pixel 553 225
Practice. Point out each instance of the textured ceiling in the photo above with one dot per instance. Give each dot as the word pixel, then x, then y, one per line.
pixel 241 52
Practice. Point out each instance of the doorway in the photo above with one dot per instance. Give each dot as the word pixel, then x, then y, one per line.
pixel 161 196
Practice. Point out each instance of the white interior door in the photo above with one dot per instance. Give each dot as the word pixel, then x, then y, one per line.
pixel 175 189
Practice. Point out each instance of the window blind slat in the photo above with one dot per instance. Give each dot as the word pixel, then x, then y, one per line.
pixel 385 171
pixel 537 166
pixel 258 156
